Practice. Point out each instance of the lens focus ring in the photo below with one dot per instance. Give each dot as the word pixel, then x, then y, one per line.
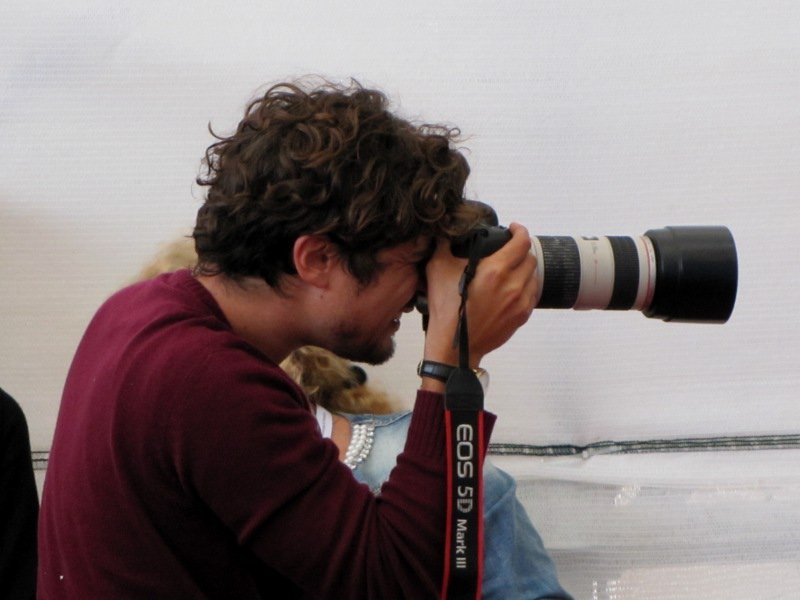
pixel 562 272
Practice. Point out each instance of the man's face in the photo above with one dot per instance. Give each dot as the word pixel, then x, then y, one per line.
pixel 368 316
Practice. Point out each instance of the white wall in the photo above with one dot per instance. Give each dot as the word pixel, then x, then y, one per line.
pixel 581 117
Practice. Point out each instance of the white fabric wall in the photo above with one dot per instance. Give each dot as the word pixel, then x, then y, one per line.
pixel 582 118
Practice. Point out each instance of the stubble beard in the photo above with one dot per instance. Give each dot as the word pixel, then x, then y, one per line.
pixel 375 352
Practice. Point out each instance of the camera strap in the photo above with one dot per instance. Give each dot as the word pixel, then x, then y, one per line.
pixel 464 431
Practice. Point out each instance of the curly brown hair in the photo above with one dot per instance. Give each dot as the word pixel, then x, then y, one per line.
pixel 330 160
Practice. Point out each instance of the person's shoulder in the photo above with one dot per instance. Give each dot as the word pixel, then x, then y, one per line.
pixel 6 401
pixel 383 420
pixel 222 383
pixel 219 359
pixel 10 411
pixel 175 288
pixel 174 333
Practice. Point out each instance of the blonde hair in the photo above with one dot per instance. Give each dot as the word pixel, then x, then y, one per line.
pixel 327 379
pixel 178 254
pixel 334 383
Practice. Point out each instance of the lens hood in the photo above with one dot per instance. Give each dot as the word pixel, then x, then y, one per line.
pixel 697 274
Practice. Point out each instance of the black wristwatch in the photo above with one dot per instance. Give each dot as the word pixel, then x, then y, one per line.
pixel 441 372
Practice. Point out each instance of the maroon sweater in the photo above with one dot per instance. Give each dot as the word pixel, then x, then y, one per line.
pixel 185 464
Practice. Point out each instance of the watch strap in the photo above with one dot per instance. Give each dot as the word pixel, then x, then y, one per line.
pixel 442 372
pixel 435 370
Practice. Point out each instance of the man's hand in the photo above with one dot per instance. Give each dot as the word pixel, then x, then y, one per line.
pixel 501 298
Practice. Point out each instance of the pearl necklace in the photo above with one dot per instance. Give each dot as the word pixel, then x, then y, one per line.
pixel 361 438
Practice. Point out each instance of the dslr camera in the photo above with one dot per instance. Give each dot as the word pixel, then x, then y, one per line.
pixel 678 273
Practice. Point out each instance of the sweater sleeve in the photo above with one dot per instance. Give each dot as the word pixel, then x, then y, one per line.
pixel 245 444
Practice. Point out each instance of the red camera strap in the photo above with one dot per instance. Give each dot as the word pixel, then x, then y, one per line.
pixel 464 430
pixel 463 569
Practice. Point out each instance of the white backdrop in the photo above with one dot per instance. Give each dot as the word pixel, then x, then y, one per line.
pixel 580 117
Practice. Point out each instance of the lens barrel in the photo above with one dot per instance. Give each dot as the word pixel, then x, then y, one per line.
pixel 684 274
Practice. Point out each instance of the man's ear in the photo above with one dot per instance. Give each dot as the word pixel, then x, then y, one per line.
pixel 315 257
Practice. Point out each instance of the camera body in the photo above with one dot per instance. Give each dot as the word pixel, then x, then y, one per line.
pixel 676 273
pixel 484 240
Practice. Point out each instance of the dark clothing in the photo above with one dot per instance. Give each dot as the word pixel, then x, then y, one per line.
pixel 19 505
pixel 186 464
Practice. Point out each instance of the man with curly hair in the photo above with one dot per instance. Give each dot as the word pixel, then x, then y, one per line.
pixel 186 463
